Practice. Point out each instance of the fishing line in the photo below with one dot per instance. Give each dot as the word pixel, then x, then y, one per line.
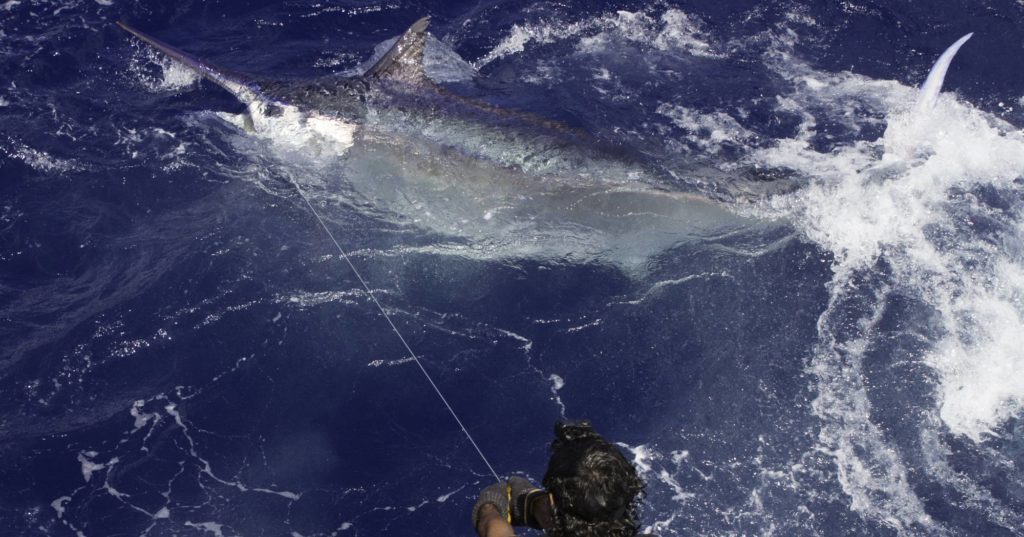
pixel 394 328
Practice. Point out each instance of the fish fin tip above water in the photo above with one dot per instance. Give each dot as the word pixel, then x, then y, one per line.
pixel 404 60
pixel 932 86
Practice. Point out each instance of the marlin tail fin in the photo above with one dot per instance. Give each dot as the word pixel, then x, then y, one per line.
pixel 933 84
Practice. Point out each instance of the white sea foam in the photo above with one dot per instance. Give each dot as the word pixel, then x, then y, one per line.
pixel 674 30
pixel 173 76
pixel 88 466
pixel 208 527
pixel 642 456
pixel 860 217
pixel 709 131
pixel 294 132
pixel 888 198
pixel 39 160
pixel 141 418
pixel 906 199
pixel 645 458
pixel 176 76
pixel 522 35
pixel 58 505
pixel 444 497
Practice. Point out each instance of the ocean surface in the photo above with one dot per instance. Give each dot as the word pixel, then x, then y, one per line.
pixel 835 347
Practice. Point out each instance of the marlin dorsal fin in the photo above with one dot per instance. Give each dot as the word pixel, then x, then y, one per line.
pixel 404 62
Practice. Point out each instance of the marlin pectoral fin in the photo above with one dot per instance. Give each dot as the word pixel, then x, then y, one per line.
pixel 239 85
pixel 404 61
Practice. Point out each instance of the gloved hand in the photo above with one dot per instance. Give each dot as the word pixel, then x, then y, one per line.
pixel 496 494
pixel 523 494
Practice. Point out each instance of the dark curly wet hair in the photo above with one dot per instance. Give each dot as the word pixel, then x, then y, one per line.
pixel 596 491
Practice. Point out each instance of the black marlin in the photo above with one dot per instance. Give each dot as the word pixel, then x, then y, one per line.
pixel 470 169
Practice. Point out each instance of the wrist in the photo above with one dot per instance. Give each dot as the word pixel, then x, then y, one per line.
pixel 485 514
pixel 541 514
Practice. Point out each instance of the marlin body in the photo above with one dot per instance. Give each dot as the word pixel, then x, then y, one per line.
pixel 513 181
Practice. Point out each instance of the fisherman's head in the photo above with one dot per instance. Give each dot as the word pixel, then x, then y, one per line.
pixel 595 490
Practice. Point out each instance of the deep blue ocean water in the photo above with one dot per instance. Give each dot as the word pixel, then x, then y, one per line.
pixel 182 352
